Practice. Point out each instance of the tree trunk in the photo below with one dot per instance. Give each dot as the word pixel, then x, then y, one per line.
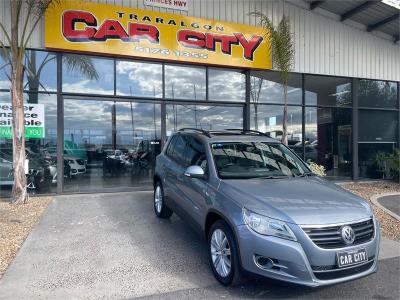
pixel 33 81
pixel 284 120
pixel 19 193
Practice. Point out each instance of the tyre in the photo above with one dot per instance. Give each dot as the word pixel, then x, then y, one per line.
pixel 160 208
pixel 224 254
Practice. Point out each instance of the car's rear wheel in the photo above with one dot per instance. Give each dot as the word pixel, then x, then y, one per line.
pixel 160 208
pixel 223 254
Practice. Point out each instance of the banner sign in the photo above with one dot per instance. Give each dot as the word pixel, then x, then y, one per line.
pixel 113 30
pixel 34 121
pixel 172 4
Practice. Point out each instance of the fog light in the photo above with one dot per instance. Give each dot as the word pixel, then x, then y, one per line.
pixel 263 262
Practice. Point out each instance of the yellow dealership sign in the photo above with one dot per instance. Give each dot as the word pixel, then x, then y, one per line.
pixel 120 31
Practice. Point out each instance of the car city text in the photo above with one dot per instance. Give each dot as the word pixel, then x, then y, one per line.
pixel 189 37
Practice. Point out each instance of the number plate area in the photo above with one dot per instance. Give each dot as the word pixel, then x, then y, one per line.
pixel 350 258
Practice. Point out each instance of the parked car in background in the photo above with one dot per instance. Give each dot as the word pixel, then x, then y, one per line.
pixel 6 175
pixel 76 165
pixel 263 211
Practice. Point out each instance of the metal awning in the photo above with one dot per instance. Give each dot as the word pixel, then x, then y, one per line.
pixel 383 16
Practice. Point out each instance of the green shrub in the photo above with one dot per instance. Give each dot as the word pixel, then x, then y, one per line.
pixel 395 168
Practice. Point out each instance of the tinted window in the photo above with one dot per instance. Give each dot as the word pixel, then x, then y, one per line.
pixel 374 93
pixel 226 85
pixel 195 153
pixel 378 126
pixel 206 117
pixel 139 79
pixel 179 150
pixel 170 148
pixel 183 82
pixel 324 90
pixel 87 74
pixel 265 87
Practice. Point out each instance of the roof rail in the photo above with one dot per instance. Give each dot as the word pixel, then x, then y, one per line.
pixel 205 132
pixel 247 131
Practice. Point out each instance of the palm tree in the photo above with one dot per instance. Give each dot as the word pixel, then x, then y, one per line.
pixel 13 51
pixel 282 48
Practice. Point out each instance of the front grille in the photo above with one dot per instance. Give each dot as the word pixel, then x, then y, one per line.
pixel 330 237
pixel 343 273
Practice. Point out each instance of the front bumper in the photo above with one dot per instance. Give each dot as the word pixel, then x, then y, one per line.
pixel 302 262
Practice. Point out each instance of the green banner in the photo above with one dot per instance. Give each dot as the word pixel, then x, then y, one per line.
pixel 30 132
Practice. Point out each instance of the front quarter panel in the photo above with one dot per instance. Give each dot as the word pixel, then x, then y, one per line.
pixel 219 202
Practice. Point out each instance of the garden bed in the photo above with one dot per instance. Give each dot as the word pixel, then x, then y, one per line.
pixel 390 227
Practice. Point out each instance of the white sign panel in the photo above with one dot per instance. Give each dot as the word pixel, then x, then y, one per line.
pixel 172 4
pixel 34 120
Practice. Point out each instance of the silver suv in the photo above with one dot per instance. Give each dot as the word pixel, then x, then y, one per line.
pixel 263 211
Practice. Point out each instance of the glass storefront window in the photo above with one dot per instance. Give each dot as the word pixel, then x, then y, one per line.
pixel 269 119
pixel 370 164
pixel 40 151
pixel 226 85
pixel 327 90
pixel 5 73
pixel 328 139
pixel 87 74
pixel 109 144
pixel 375 93
pixel 378 126
pixel 139 79
pixel 41 71
pixel 205 117
pixel 265 87
pixel 183 82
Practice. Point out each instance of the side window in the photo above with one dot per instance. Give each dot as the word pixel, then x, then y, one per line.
pixel 170 148
pixel 179 150
pixel 195 153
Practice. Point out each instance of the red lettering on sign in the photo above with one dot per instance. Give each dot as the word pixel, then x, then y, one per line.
pixel 249 46
pixel 69 20
pixel 191 39
pixel 110 29
pixel 199 40
pixel 138 32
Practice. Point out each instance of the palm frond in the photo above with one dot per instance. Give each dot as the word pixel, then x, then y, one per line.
pixel 82 64
pixel 282 48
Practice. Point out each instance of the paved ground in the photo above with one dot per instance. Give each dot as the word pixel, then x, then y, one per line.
pixel 391 202
pixel 111 246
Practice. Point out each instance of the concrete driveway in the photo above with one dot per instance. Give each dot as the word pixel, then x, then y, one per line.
pixel 111 246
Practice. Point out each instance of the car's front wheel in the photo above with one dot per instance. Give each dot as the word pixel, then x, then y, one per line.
pixel 160 208
pixel 223 254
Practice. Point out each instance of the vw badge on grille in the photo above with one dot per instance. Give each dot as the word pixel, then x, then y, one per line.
pixel 348 235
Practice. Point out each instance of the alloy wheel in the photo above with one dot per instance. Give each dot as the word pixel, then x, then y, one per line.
pixel 158 199
pixel 220 253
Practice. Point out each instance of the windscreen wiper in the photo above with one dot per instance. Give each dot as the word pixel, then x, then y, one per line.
pixel 272 177
pixel 306 174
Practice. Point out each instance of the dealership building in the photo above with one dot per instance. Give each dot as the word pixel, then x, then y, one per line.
pixel 106 85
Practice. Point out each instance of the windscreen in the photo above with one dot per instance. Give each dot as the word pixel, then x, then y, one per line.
pixel 255 160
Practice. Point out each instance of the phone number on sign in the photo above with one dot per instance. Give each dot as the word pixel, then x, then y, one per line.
pixel 168 52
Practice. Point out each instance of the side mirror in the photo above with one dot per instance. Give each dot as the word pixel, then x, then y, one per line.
pixel 195 172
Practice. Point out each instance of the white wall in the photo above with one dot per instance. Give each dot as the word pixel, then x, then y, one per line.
pixel 323 45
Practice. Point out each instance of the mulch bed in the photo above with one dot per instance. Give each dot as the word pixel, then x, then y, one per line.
pixel 390 227
pixel 16 221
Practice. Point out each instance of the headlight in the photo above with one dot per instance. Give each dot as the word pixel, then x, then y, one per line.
pixel 267 226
